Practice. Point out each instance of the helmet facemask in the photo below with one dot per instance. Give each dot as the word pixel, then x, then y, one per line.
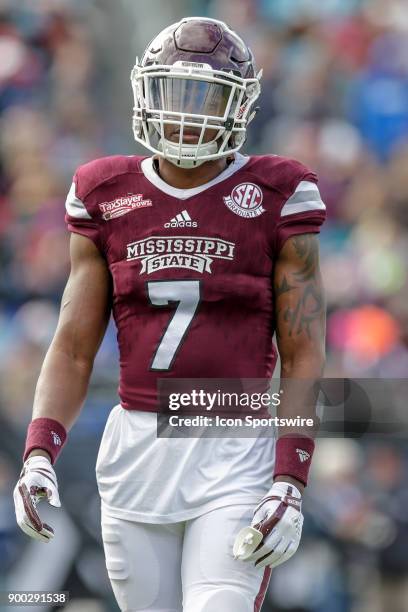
pixel 190 113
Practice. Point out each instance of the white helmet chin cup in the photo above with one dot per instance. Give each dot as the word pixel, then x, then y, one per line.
pixel 191 155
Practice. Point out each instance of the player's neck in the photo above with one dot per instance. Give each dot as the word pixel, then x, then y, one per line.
pixel 188 178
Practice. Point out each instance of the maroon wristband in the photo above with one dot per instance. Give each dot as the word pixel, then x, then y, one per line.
pixel 46 434
pixel 294 456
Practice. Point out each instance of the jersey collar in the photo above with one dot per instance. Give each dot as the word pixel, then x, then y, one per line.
pixel 182 194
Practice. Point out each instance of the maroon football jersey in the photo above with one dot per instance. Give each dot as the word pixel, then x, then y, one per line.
pixel 192 268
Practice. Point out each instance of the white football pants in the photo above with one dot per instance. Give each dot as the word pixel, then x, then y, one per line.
pixel 182 567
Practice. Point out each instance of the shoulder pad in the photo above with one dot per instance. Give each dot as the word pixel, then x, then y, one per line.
pixel 280 173
pixel 89 176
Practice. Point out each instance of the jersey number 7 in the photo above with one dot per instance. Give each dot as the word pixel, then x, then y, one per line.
pixel 185 295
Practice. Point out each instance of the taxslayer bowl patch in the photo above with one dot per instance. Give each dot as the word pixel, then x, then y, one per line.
pixel 122 206
pixel 245 200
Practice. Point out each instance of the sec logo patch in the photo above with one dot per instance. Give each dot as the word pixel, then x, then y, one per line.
pixel 245 200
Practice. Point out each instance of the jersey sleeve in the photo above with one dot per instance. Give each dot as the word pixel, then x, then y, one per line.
pixel 78 216
pixel 302 213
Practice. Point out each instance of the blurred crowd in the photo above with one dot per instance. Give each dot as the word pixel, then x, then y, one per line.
pixel 335 96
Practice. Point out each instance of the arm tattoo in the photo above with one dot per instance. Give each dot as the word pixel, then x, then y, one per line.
pixel 306 304
pixel 283 287
pixel 309 307
pixel 307 252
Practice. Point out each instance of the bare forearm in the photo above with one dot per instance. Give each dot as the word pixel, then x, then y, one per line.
pixel 61 387
pixel 84 315
pixel 300 326
pixel 299 397
pixel 300 329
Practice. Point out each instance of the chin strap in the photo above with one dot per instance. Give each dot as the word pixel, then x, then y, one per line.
pixel 170 148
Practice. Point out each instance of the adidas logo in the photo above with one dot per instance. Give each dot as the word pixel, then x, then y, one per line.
pixel 302 454
pixel 56 439
pixel 183 219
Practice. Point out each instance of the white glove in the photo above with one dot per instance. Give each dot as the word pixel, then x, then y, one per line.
pixel 275 530
pixel 37 481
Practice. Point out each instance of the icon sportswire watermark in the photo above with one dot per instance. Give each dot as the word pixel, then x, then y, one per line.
pixel 331 407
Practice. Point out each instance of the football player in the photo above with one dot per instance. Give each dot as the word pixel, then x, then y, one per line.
pixel 200 253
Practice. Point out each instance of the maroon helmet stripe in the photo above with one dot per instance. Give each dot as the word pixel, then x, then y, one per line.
pixel 262 590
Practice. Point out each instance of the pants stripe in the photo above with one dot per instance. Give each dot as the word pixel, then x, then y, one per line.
pixel 262 590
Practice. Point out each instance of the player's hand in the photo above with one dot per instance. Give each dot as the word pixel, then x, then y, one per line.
pixel 37 481
pixel 275 530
